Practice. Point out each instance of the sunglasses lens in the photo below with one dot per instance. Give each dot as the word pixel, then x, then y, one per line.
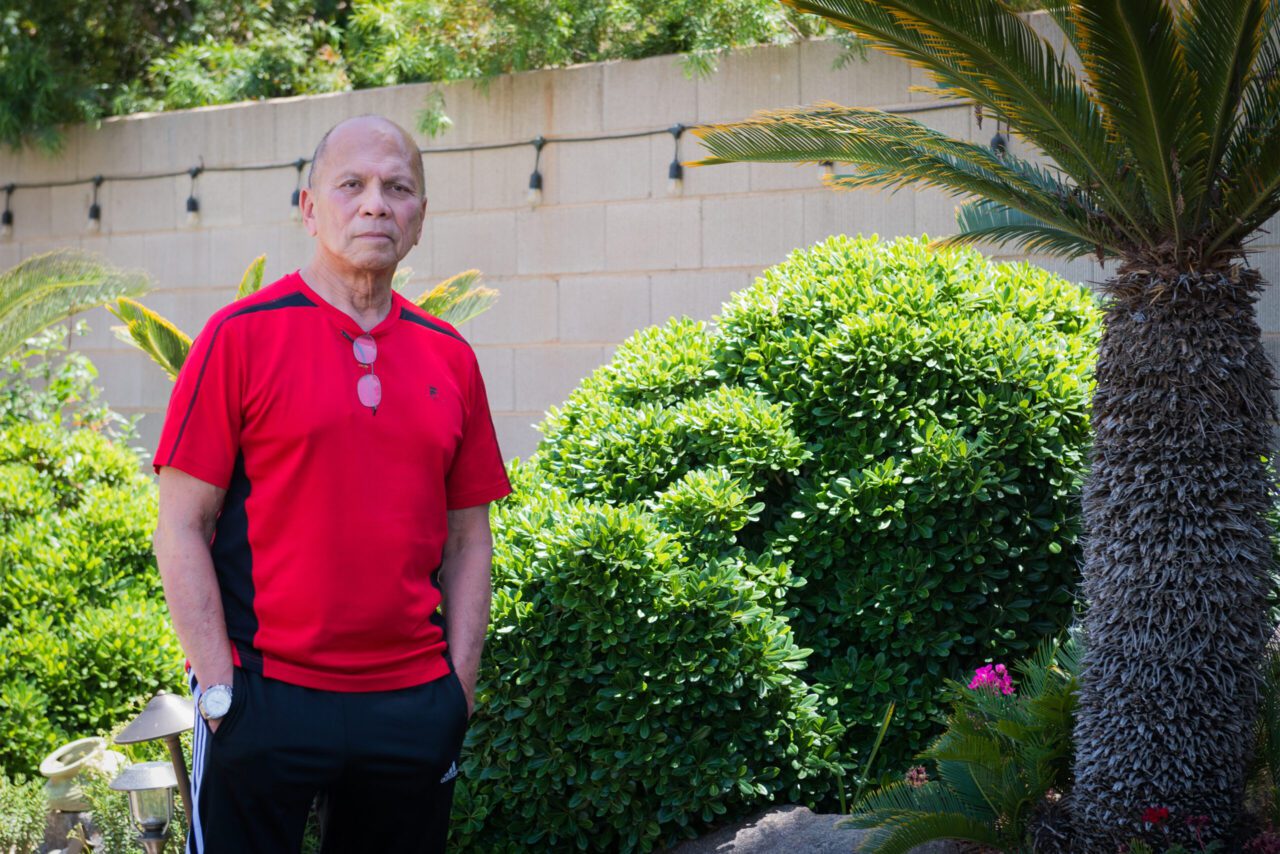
pixel 369 388
pixel 366 349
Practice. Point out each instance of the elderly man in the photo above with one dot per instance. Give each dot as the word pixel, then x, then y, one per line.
pixel 326 466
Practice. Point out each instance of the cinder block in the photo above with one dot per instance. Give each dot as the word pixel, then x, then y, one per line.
pixel 751 230
pixel 265 195
pixel 178 259
pixel 526 313
pixel 560 240
pixel 531 103
pixel 232 249
pixel 68 208
pixel 546 375
pixel 854 212
pixel 33 216
pixel 697 294
pixel 603 309
pixel 120 376
pixel 402 104
pixel 923 87
pixel 498 367
pixel 517 435
pixel 576 100
pixel 484 241
pixel 878 79
pixel 759 78
pixel 658 235
pixel 500 178
pixel 648 93
pixel 448 181
pixel 935 213
pixel 299 123
pixel 112 148
pixel 958 122
pixel 155 205
pixel 609 170
pixel 8 254
pixel 34 165
pixel 784 176
pixel 1084 271
pixel 296 247
pixel 480 111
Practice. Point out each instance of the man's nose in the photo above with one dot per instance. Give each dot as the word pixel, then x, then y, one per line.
pixel 373 201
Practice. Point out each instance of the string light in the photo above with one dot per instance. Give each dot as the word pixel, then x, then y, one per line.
pixel 675 172
pixel 534 196
pixel 828 170
pixel 95 210
pixel 295 209
pixel 6 219
pixel 1000 142
pixel 193 204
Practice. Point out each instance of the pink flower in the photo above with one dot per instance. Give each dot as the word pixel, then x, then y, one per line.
pixel 917 776
pixel 994 676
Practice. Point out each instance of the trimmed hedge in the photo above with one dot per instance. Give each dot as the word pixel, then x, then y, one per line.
pixel 84 634
pixel 911 427
pixel 637 683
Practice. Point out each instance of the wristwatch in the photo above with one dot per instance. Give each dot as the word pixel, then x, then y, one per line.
pixel 215 702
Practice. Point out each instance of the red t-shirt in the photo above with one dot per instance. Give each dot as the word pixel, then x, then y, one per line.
pixel 328 545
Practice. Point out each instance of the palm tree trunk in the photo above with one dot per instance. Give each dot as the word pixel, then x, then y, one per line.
pixel 1177 563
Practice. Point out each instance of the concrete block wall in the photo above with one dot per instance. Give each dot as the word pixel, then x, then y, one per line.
pixel 606 253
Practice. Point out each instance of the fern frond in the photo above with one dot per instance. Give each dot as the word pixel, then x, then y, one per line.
pixel 166 344
pixel 985 221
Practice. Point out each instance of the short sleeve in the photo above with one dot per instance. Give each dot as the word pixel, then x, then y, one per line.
pixel 201 433
pixel 477 474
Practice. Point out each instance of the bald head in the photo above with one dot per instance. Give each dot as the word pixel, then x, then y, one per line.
pixel 370 124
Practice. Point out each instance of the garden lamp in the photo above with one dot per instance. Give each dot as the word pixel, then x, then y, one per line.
pixel 166 716
pixel 150 786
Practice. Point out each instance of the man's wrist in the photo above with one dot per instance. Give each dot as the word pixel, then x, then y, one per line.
pixel 215 701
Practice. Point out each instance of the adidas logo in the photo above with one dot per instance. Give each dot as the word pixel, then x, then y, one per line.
pixel 451 773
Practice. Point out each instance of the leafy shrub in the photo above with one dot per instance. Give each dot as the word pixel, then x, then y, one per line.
pixel 84 634
pixel 914 425
pixel 22 813
pixel 636 687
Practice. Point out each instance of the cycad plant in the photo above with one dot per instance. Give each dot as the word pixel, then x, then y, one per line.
pixel 1004 755
pixel 1161 126
pixel 46 288
pixel 455 300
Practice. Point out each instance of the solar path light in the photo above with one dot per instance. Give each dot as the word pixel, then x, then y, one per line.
pixel 167 716
pixel 150 786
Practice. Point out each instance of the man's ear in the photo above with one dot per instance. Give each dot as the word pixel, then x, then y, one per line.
pixel 307 205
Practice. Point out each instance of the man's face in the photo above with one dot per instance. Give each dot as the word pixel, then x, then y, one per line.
pixel 365 206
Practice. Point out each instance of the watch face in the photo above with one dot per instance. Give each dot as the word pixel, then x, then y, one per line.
pixel 215 702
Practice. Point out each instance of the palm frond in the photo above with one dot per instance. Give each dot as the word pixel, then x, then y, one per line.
pixel 1140 76
pixel 982 51
pixel 1222 41
pixel 47 288
pixel 892 151
pixel 251 281
pixel 458 298
pixel 1251 195
pixel 166 344
pixel 986 221
pixel 901 816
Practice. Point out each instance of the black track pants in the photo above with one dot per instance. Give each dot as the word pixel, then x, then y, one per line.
pixel 381 764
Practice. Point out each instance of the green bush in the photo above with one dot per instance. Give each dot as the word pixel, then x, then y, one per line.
pixel 913 425
pixel 637 685
pixel 84 635
pixel 23 809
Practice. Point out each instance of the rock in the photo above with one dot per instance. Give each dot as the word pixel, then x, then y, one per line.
pixel 786 830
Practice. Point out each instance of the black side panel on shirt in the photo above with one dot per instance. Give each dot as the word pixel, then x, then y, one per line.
pixel 233 558
pixel 405 314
